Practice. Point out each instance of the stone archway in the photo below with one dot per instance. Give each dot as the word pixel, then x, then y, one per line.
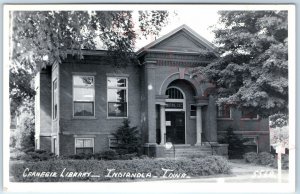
pixel 176 76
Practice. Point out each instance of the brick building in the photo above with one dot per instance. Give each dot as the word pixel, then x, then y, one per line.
pixel 79 103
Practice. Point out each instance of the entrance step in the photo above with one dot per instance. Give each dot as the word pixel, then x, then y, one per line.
pixel 188 151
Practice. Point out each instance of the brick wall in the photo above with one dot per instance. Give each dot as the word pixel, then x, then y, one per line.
pixel 99 125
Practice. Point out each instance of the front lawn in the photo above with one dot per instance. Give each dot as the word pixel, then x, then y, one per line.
pixel 58 170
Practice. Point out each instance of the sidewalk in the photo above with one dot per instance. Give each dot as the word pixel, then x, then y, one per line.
pixel 242 173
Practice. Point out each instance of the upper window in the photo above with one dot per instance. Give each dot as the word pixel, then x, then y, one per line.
pixel 84 145
pixel 224 111
pixel 246 114
pixel 54 101
pixel 117 91
pixel 84 95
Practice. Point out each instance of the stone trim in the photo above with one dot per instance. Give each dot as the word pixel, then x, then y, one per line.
pixel 248 132
pixel 85 133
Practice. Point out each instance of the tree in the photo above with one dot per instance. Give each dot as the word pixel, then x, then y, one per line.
pixel 41 38
pixel 128 138
pixel 23 136
pixel 252 70
pixel 236 147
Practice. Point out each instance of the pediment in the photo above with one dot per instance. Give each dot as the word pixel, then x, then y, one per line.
pixel 182 39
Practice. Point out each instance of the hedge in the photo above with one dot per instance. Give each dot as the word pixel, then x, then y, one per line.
pixel 209 165
pixel 267 159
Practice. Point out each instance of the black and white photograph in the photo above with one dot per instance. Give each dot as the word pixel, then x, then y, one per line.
pixel 126 96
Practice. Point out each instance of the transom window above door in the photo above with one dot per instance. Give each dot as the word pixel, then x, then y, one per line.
pixel 174 93
pixel 175 100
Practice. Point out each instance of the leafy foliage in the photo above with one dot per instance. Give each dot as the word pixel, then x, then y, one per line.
pixel 23 136
pixel 279 135
pixel 210 165
pixel 41 38
pixel 235 143
pixel 267 159
pixel 252 70
pixel 128 138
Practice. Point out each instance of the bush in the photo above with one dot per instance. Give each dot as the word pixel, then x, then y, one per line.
pixel 284 162
pixel 266 158
pixel 107 155
pixel 36 155
pixel 81 156
pixel 191 167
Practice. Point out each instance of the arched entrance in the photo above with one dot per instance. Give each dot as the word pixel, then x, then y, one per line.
pixel 175 115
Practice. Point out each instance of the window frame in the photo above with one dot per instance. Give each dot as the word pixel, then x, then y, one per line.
pixel 224 118
pixel 116 87
pixel 84 138
pixel 254 137
pixel 248 118
pixel 94 93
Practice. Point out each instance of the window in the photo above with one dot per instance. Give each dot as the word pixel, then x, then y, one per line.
pixel 117 97
pixel 84 145
pixel 251 144
pixel 55 96
pixel 224 111
pixel 113 142
pixel 54 146
pixel 84 95
pixel 246 114
pixel 193 111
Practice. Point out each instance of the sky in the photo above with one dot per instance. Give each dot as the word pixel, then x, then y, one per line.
pixel 200 20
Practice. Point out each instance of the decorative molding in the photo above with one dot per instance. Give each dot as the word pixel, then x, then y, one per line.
pixel 247 132
pixel 83 136
pixel 117 75
pixel 84 133
pixel 84 73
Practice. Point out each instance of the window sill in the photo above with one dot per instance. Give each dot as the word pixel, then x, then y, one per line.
pixel 112 118
pixel 249 119
pixel 192 117
pixel 84 118
pixel 225 119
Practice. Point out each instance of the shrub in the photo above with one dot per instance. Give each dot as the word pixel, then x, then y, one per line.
pixel 107 155
pixel 251 157
pixel 37 155
pixel 284 162
pixel 104 155
pixel 191 167
pixel 81 156
pixel 266 158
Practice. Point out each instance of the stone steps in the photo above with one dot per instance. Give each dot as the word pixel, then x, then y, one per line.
pixel 188 151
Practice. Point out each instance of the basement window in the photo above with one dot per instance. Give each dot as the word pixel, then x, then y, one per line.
pixel 84 145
